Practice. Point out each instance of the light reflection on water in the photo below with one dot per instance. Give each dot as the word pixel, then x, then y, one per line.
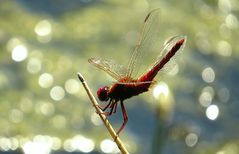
pixel 43 29
pixel 208 74
pixel 34 65
pixel 45 108
pixel 45 80
pixel 12 43
pixel 19 53
pixel 212 112
pixel 79 143
pixel 232 21
pixel 224 5
pixel 38 145
pixel 108 146
pixel 161 90
pixel 224 48
pixel 57 93
pixel 191 139
pixel 206 96
pixel 7 144
pixel 72 86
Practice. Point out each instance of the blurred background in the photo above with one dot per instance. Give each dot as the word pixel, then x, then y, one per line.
pixel 44 108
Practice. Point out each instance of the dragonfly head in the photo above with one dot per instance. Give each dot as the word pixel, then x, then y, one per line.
pixel 102 93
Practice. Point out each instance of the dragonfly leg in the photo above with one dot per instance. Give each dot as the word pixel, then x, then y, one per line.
pixel 113 107
pixel 105 107
pixel 125 116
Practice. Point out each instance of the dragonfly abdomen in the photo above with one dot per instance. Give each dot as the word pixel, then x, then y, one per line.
pixel 150 75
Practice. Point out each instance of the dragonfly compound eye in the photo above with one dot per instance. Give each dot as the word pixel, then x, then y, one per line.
pixel 102 93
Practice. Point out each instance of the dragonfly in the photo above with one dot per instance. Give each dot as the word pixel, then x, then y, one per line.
pixel 127 84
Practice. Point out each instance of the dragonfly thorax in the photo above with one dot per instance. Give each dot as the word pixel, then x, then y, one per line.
pixel 102 93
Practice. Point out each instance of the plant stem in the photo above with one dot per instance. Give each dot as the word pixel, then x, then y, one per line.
pixel 103 117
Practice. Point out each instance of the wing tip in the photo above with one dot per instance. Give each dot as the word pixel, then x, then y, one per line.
pixel 91 60
pixel 148 15
pixel 181 39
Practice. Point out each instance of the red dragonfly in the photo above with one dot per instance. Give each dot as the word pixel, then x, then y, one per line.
pixel 126 86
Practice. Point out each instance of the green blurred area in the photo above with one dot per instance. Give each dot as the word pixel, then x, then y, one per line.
pixel 44 44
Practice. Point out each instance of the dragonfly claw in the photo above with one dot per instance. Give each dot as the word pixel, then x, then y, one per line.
pixel 104 113
pixel 116 136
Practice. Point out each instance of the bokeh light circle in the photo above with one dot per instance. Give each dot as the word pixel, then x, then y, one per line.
pixel 57 93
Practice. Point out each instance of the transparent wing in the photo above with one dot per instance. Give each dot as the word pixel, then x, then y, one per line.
pixel 168 45
pixel 146 42
pixel 115 70
pixel 135 83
